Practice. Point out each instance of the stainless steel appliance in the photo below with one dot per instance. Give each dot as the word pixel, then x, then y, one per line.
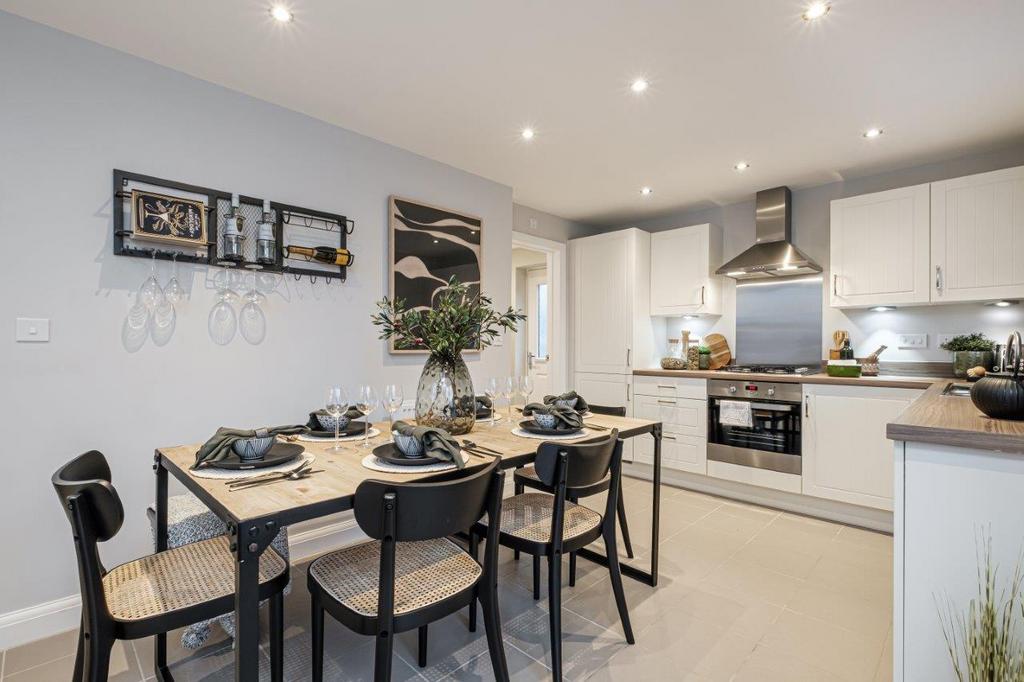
pixel 772 438
pixel 779 322
pixel 773 254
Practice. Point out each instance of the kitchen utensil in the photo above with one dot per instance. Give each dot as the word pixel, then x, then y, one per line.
pixel 1002 397
pixel 869 364
pixel 481 448
pixel 279 453
pixel 272 474
pixel 839 338
pixel 720 353
pixel 293 476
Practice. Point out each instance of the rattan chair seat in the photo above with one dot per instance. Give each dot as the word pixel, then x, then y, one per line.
pixel 178 579
pixel 528 516
pixel 426 572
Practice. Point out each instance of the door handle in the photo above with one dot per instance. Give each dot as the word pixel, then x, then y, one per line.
pixel 807 407
pixel 835 285
pixel 702 294
pixel 667 437
pixel 938 278
pixel 667 402
pixel 627 393
pixel 629 356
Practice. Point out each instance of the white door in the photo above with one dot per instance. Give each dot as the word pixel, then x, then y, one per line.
pixel 879 248
pixel 538 322
pixel 978 236
pixel 846 455
pixel 602 293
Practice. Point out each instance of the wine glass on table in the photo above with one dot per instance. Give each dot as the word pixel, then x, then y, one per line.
pixel 526 388
pixel 508 392
pixel 393 399
pixel 492 392
pixel 366 402
pixel 336 406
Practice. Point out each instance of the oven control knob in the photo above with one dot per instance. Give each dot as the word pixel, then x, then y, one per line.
pixel 732 389
pixel 771 391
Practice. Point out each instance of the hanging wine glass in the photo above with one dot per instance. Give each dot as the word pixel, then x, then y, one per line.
pixel 222 280
pixel 173 291
pixel 222 322
pixel 252 320
pixel 150 293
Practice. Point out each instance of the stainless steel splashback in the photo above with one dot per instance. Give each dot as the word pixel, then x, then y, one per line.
pixel 778 322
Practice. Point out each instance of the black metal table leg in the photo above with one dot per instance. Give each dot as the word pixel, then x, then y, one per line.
pixel 247 547
pixel 160 641
pixel 656 510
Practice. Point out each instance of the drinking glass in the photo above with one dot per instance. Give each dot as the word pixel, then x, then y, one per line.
pixel 150 293
pixel 252 320
pixel 173 291
pixel 508 392
pixel 492 392
pixel 526 387
pixel 393 399
pixel 336 406
pixel 366 403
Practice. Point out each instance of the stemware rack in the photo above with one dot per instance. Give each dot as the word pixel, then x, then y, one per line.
pixel 292 225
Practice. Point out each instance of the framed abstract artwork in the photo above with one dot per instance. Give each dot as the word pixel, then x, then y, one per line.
pixel 430 245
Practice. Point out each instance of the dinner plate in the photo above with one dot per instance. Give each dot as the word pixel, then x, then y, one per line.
pixel 390 453
pixel 279 453
pixel 353 429
pixel 530 426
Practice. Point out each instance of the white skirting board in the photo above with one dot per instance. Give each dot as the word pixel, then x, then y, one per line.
pixel 864 517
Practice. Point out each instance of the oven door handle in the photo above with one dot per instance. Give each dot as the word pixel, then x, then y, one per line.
pixel 770 407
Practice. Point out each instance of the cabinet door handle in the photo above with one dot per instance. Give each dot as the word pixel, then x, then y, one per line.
pixel 666 386
pixel 627 393
pixel 938 278
pixel 667 402
pixel 667 437
pixel 702 294
pixel 807 407
pixel 629 356
pixel 835 279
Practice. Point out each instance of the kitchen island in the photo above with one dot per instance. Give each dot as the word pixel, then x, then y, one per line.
pixel 959 480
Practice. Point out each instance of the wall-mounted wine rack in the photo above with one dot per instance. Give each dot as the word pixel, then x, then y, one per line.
pixel 293 225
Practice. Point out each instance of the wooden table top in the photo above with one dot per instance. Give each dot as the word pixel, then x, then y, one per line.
pixel 343 471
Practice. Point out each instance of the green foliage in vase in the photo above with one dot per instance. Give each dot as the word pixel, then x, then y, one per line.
pixel 969 342
pixel 982 642
pixel 458 320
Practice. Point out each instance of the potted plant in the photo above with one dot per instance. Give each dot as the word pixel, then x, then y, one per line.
pixel 458 320
pixel 969 350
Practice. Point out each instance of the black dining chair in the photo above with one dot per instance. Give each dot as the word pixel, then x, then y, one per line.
pixel 410 574
pixel 526 477
pixel 550 525
pixel 157 593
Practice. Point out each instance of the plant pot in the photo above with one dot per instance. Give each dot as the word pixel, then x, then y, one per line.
pixel 445 397
pixel 999 397
pixel 963 360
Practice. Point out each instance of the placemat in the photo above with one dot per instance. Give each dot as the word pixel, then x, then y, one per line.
pixel 574 436
pixel 235 475
pixel 373 463
pixel 344 439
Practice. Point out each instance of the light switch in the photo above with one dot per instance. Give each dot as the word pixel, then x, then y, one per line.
pixel 32 330
pixel 913 341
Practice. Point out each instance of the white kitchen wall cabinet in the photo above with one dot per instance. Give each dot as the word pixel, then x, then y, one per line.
pixel 846 455
pixel 880 248
pixel 683 263
pixel 610 299
pixel 978 237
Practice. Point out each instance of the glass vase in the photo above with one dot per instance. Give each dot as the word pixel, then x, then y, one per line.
pixel 445 397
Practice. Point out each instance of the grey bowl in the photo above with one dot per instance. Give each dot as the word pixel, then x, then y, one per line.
pixel 327 421
pixel 571 404
pixel 410 446
pixel 545 421
pixel 252 448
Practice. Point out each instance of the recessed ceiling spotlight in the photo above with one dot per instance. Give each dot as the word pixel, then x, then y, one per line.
pixel 741 166
pixel 639 85
pixel 281 13
pixel 816 10
pixel 882 308
pixel 646 191
pixel 872 133
pixel 527 133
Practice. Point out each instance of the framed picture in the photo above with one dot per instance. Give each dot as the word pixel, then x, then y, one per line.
pixel 429 245
pixel 163 218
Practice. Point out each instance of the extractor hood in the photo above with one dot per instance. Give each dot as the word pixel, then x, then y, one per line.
pixel 772 255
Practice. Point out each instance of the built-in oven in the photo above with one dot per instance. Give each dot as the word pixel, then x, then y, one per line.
pixel 755 424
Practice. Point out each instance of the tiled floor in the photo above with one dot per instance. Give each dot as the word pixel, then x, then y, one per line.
pixel 746 594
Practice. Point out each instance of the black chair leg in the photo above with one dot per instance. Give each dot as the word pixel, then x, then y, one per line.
pixel 616 576
pixel 97 658
pixel 572 569
pixel 382 657
pixel 317 635
pixel 474 547
pixel 160 657
pixel 555 614
pixel 519 490
pixel 492 626
pixel 624 525
pixel 79 655
pixel 277 637
pixel 536 577
pixel 421 649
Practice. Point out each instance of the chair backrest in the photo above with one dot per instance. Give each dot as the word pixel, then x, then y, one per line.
pixel 586 463
pixel 446 504
pixel 84 482
pixel 610 411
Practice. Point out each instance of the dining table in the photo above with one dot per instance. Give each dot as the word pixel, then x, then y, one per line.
pixel 255 516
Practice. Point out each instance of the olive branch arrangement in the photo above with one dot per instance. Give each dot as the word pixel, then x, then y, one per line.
pixel 457 320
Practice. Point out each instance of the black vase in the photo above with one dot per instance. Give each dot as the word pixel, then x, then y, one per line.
pixel 999 397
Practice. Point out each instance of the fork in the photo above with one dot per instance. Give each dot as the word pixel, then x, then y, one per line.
pixel 271 476
pixel 470 444
pixel 293 476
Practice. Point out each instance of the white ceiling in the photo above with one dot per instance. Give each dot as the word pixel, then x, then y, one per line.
pixel 456 80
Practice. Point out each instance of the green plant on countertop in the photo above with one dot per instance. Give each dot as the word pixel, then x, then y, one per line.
pixel 704 350
pixel 458 320
pixel 969 342
pixel 982 643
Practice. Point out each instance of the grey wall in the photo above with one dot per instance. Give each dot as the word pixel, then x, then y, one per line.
pixel 547 225
pixel 70 112
pixel 811 234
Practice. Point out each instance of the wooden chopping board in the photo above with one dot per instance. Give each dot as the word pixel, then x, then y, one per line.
pixel 720 353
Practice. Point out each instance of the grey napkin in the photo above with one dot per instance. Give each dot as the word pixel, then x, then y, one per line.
pixel 581 404
pixel 219 445
pixel 436 442
pixel 568 418
pixel 483 404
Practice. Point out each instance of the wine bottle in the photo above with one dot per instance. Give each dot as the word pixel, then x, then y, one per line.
pixel 322 254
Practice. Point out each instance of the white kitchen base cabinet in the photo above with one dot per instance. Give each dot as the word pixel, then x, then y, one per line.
pixel 681 406
pixel 681 453
pixel 846 455
pixel 610 390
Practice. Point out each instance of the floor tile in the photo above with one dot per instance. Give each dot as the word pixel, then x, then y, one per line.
pixel 843 653
pixel 521 668
pixel 725 608
pixel 123 667
pixel 768 665
pixel 586 646
pixel 41 651
pixel 752 581
pixel 867 616
pixel 788 561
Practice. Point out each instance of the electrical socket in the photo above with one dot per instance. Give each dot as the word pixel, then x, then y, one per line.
pixel 915 341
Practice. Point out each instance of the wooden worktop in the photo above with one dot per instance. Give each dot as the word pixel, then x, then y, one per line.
pixel 954 420
pixel 887 381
